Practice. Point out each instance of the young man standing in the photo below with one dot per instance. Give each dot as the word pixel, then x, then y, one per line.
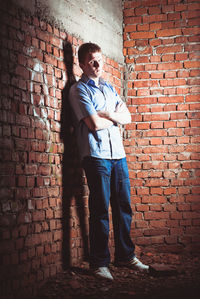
pixel 98 110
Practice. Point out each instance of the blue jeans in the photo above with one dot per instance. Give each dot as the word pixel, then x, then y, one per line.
pixel 108 181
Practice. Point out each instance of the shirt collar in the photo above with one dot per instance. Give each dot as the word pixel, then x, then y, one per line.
pixel 89 81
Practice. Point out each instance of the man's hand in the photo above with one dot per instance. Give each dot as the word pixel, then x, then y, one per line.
pixel 121 107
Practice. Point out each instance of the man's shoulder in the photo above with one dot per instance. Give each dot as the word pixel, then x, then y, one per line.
pixel 77 90
pixel 78 85
pixel 108 85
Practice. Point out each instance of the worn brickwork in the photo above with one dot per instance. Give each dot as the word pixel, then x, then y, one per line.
pixel 43 191
pixel 34 197
pixel 161 48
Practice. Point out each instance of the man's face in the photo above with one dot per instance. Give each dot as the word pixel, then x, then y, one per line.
pixel 93 65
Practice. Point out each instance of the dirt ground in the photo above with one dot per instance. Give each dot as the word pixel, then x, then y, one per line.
pixel 171 277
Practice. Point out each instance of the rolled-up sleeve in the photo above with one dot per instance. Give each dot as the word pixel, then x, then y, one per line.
pixel 81 102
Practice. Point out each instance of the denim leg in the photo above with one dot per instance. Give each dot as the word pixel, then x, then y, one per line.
pixel 121 211
pixel 98 172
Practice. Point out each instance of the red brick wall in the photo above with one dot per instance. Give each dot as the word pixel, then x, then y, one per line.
pixel 43 196
pixel 161 45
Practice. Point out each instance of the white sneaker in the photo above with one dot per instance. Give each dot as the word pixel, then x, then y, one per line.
pixel 135 263
pixel 102 272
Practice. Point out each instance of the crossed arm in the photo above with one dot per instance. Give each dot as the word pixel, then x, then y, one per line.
pixel 105 119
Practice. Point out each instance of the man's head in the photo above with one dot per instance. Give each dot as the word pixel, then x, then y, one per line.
pixel 90 60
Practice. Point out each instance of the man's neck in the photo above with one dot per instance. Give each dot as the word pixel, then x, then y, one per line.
pixel 96 80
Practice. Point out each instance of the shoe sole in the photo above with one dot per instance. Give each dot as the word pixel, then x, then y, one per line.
pixel 103 278
pixel 132 267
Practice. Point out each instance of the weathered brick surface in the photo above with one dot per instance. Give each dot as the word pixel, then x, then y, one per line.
pixel 35 196
pixel 43 194
pixel 161 52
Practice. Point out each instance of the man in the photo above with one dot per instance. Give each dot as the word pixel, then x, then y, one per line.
pixel 98 110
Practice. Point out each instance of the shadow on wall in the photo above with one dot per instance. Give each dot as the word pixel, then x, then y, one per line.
pixel 73 206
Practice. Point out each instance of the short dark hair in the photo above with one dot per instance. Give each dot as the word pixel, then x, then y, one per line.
pixel 86 48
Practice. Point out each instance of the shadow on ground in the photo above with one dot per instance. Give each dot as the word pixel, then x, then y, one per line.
pixel 78 282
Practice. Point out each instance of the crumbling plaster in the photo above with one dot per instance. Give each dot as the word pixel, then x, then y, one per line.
pixel 99 21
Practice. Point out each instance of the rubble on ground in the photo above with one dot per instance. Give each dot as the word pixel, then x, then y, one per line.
pixel 172 276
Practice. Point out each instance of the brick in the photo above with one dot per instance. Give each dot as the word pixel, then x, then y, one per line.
pixel 49 214
pixel 190 215
pixel 133 20
pixel 194 73
pixel 170 140
pixel 142 50
pixel 129 43
pixel 157 191
pixel 156 117
pixel 168 32
pixel 174 16
pixel 169 174
pixel 175 99
pixel 55 41
pixel 156 141
pixel 143 27
pixel 143 75
pixel 43 35
pixel 128 12
pixel 170 124
pixel 178 115
pixel 156 133
pixel 142 35
pixel 157 183
pixel 156 215
pixel 170 74
pixel 168 57
pixel 140 11
pixel 169 49
pixel 143 92
pixel 51 60
pixel 191 31
pixel 44 170
pixel 175 132
pixel 38 216
pixel 157 109
pixel 156 149
pixel 183 124
pixel 23 72
pixel 170 191
pixel 142 208
pixel 192 98
pixel 145 101
pixel 193 22
pixel 143 126
pixel 155 42
pixel 191 64
pixel 155 208
pixel 183 56
pixel 194 81
pixel 156 75
pixel 154 10
pixel 192 131
pixel 170 66
pixel 154 18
